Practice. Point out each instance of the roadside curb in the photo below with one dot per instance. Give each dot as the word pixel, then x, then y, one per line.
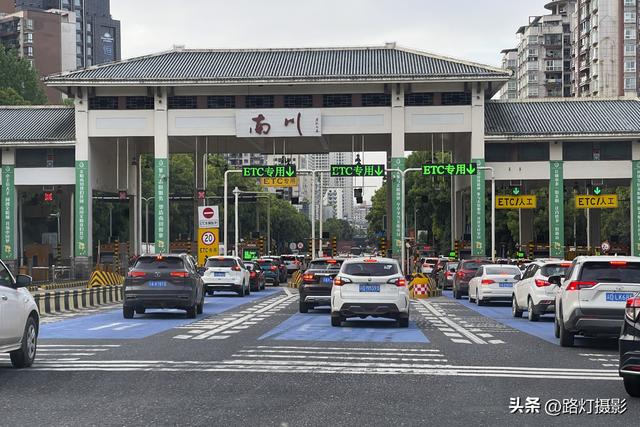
pixel 72 300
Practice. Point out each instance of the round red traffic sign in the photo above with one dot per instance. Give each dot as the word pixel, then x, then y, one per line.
pixel 207 212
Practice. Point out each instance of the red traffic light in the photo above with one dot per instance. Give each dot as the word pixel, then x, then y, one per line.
pixel 202 194
pixel 48 196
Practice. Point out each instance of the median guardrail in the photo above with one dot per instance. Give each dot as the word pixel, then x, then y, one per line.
pixel 62 301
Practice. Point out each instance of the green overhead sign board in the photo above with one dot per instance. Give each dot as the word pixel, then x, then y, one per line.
pixel 357 170
pixel 447 169
pixel 249 254
pixel 280 171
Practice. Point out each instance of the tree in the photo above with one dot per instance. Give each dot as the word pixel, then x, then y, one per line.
pixel 17 74
pixel 339 228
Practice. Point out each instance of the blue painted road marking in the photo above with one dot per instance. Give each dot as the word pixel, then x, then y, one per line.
pixel 502 313
pixel 111 324
pixel 317 327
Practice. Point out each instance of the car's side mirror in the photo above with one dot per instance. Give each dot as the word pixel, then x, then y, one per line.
pixel 555 280
pixel 517 277
pixel 22 281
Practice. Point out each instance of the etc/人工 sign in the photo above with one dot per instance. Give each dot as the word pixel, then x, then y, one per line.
pixel 607 201
pixel 516 202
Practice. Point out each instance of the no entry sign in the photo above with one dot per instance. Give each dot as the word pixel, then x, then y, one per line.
pixel 208 217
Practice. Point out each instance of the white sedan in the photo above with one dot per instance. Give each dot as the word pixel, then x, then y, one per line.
pixel 493 282
pixel 19 318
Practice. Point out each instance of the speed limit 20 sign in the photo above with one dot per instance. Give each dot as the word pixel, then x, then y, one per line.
pixel 208 244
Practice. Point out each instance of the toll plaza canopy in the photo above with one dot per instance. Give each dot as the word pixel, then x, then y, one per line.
pixel 385 98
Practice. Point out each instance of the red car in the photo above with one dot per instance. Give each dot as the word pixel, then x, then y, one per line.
pixel 257 280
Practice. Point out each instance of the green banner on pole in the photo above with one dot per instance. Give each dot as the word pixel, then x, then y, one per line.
pixel 82 195
pixel 161 167
pixel 478 245
pixel 8 217
pixel 556 209
pixel 397 233
pixel 635 206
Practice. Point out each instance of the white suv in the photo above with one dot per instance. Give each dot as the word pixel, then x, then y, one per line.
pixel 370 287
pixel 19 318
pixel 533 292
pixel 592 298
pixel 226 273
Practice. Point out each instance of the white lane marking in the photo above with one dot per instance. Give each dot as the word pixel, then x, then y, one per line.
pixel 110 325
pixel 453 324
pixel 131 325
pixel 496 342
pixel 485 335
pixel 269 352
pixel 349 348
pixel 77 345
pixel 453 334
pixel 182 337
pixel 293 356
pixel 288 291
pixel 460 341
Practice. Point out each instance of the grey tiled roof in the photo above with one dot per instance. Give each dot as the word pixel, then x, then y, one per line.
pixel 281 65
pixel 563 117
pixel 43 124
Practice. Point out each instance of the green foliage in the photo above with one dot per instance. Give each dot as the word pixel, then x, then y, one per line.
pixel 339 228
pixel 16 73
pixel 8 96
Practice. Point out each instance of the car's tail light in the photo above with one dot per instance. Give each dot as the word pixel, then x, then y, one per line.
pixel 137 274
pixel 401 282
pixel 308 277
pixel 370 260
pixel 565 264
pixel 542 283
pixel 252 274
pixel 179 274
pixel 447 274
pixel 576 285
pixel 618 263
pixel 632 309
pixel 332 261
pixel 339 281
pixel 236 268
pixel 487 282
pixel 460 274
pixel 273 268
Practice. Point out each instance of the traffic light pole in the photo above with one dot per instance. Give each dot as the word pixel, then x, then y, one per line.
pixel 493 210
pixel 403 173
pixel 226 206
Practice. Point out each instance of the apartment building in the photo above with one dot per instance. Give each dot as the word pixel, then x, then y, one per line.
pixel 510 62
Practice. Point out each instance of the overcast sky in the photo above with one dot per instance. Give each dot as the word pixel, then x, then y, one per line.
pixel 470 29
pixel 475 30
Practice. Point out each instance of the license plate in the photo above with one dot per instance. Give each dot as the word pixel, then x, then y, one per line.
pixel 218 274
pixel 506 285
pixel 369 288
pixel 157 284
pixel 326 280
pixel 618 296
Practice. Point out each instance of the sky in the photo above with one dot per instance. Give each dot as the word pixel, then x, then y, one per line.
pixel 475 30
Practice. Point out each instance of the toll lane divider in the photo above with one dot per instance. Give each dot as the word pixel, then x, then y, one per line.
pixel 296 279
pixel 78 299
pixel 104 278
pixel 60 285
pixel 423 286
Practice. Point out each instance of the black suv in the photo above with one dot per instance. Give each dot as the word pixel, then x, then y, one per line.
pixel 163 281
pixel 317 282
pixel 629 345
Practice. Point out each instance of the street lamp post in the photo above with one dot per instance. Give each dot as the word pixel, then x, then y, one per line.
pixel 493 210
pixel 146 201
pixel 226 206
pixel 236 193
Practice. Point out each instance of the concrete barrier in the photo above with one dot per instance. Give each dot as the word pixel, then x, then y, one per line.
pixel 423 286
pixel 104 278
pixel 61 285
pixel 62 301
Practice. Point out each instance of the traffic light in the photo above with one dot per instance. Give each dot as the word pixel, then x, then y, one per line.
pixel 309 245
pixel 357 193
pixel 295 200
pixel 201 194
pixel 383 246
pixel 261 244
pixel 116 256
pixel 456 249
pixel 532 248
pixel 48 196
pixel 334 245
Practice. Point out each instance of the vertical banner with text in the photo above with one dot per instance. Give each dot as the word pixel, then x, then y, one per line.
pixel 8 217
pixel 161 168
pixel 556 209
pixel 635 205
pixel 397 233
pixel 478 246
pixel 82 209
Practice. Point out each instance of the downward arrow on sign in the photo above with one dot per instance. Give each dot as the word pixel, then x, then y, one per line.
pixel 379 171
pixel 290 171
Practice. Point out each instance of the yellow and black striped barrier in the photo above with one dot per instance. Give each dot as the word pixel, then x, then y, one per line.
pixel 296 279
pixel 54 286
pixel 423 286
pixel 104 278
pixel 77 299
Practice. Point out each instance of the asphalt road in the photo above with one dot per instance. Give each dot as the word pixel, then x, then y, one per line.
pixel 256 361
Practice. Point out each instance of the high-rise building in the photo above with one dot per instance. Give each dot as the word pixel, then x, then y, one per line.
pixel 97 35
pixel 45 38
pixel 510 62
pixel 245 159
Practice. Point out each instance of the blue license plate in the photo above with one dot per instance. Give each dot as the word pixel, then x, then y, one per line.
pixel 218 274
pixel 506 285
pixel 157 284
pixel 327 280
pixel 618 296
pixel 369 288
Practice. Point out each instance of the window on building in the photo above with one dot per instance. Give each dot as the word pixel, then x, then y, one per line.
pixel 77 3
pixel 89 51
pixel 65 4
pixel 89 62
pixel 630 83
pixel 532 152
pixel 456 98
pixel 28 37
pixel 629 66
pixel 615 150
pixel 629 49
pixel 419 99
pixel 41 157
pixel 89 40
pixel 629 2
pixel 28 51
pixel 88 27
pixel 103 103
pixel 139 103
pixel 630 17
pixel 78 27
pixel 629 33
pixel 298 101
pixel 183 102
pixel 259 101
pixel 376 100
pixel 78 49
pixel 338 100
pixel 498 152
pixel 221 101
pixel 28 23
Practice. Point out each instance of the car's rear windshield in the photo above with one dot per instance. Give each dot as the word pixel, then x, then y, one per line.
pixel 553 270
pixel 265 264
pixel 614 271
pixel 473 265
pixel 152 263
pixel 288 258
pixel 325 265
pixel 502 269
pixel 452 265
pixel 370 269
pixel 220 262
